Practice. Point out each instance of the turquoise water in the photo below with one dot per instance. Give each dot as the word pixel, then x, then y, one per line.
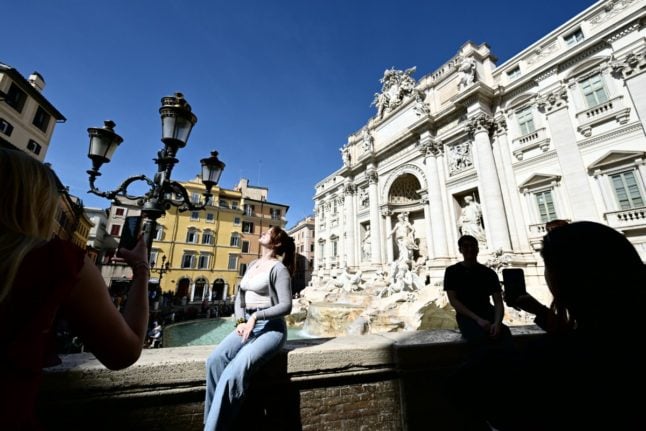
pixel 207 331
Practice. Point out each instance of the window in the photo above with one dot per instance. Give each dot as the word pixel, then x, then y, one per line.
pixel 235 240
pixel 275 214
pixel 247 227
pixel 573 38
pixel 207 237
pixel 312 248
pixel 203 261
pixel 525 121
pixel 513 73
pixel 545 204
pixel 236 220
pixel 188 260
pixel 245 246
pixel 335 248
pixel 5 127
pixel 159 233
pixel 210 217
pixel 115 230
pixel 627 190
pixel 34 147
pixel 195 215
pixel 224 203
pixel 119 212
pixel 594 90
pixel 16 97
pixel 249 210
pixel 234 205
pixel 195 198
pixel 192 236
pixel 41 119
pixel 233 261
pixel 243 269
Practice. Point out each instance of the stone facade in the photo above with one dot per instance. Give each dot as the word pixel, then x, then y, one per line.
pixel 556 132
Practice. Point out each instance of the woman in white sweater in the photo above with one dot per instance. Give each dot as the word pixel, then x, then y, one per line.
pixel 264 297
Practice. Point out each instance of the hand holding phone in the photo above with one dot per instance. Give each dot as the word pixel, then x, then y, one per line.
pixel 130 233
pixel 513 284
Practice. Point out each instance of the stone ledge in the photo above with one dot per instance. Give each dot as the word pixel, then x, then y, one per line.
pixel 379 369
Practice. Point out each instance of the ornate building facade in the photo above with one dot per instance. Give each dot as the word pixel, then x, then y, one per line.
pixel 556 132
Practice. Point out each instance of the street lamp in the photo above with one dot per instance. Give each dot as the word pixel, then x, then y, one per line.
pixel 162 269
pixel 177 123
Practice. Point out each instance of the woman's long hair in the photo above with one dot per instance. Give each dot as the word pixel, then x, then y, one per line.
pixel 590 268
pixel 28 203
pixel 283 245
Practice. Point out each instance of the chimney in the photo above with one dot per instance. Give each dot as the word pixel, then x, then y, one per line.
pixel 36 80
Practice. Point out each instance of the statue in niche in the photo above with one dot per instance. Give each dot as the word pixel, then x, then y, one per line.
pixel 466 73
pixel 404 237
pixel 470 220
pixel 366 244
pixel 345 155
pixel 363 198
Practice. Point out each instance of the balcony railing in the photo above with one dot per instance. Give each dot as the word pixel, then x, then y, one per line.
pixel 627 219
pixel 613 109
pixel 536 139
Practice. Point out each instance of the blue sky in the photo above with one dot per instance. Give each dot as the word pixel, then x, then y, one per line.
pixel 277 86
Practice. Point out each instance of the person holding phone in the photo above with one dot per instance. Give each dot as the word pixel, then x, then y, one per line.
pixel 42 277
pixel 264 297
pixel 585 372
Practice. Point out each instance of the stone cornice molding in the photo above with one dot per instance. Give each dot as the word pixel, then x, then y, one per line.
pixel 622 32
pixel 554 100
pixel 582 55
pixel 611 9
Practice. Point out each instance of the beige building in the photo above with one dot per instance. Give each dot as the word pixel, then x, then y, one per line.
pixel 258 215
pixel 556 132
pixel 303 234
pixel 27 118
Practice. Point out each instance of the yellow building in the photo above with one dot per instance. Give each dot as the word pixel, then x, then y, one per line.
pixel 200 248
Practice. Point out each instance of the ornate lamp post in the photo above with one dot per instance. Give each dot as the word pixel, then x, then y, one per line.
pixel 177 123
pixel 162 269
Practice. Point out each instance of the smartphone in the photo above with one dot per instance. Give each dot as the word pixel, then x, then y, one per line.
pixel 130 233
pixel 513 281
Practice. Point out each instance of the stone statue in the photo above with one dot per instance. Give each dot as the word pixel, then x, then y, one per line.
pixel 404 236
pixel 345 155
pixel 367 141
pixel 466 73
pixel 366 244
pixel 470 220
pixel 396 85
pixel 363 198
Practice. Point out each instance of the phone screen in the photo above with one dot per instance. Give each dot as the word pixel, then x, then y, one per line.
pixel 513 280
pixel 130 232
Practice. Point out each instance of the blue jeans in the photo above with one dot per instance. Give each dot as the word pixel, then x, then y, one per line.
pixel 230 366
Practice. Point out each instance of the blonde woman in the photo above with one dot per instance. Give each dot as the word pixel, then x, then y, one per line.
pixel 42 277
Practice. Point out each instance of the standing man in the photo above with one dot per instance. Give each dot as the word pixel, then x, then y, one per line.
pixel 469 286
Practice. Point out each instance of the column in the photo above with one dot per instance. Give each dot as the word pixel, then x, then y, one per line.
pixel 495 218
pixel 388 226
pixel 351 238
pixel 434 208
pixel 575 177
pixel 375 225
pixel 515 220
